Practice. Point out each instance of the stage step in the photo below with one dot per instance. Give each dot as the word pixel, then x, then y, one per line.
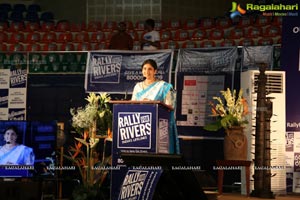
pixel 211 195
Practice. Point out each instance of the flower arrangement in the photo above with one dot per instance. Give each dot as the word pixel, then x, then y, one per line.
pixel 230 112
pixel 96 111
pixel 88 121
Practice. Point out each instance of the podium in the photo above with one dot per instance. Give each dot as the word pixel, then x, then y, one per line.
pixel 138 127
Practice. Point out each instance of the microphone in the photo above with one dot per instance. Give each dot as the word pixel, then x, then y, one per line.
pixel 125 95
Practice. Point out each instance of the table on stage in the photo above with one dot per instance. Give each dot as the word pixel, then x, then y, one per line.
pixel 221 164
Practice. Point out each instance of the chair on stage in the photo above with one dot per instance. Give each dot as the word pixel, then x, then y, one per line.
pixel 165 35
pixel 3 47
pixel 273 32
pixel 51 46
pixel 265 41
pixel 109 26
pixel 139 26
pixel 32 26
pixel 246 42
pixel 171 44
pixel 277 21
pixel 47 26
pixel 64 37
pixel 159 25
pixel 207 23
pixel 254 32
pixel 17 37
pixel 245 21
pixel 174 24
pixel 33 47
pixel 100 46
pixel 80 37
pixel 49 37
pixel 207 44
pixel 189 44
pixel 136 46
pixel 33 37
pixel 62 26
pixel 129 25
pixel 16 26
pixel 93 26
pixel 3 37
pixel 16 47
pixel 97 37
pixel 261 20
pixel 84 46
pixel 199 34
pixel 190 24
pixel 216 35
pixel 4 26
pixel 77 27
pixel 181 35
pixel 228 43
pixel 67 47
pixel 133 34
pixel 236 33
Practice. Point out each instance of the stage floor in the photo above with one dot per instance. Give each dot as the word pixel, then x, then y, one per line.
pixel 235 196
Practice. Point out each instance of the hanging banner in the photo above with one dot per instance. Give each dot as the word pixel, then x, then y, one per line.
pixel 209 61
pixel 290 62
pixel 200 75
pixel 257 54
pixel 13 89
pixel 118 71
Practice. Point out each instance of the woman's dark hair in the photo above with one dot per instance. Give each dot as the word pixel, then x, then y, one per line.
pixel 15 129
pixel 150 22
pixel 151 62
pixel 11 127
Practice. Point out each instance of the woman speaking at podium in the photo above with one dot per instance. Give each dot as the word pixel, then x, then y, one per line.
pixel 157 90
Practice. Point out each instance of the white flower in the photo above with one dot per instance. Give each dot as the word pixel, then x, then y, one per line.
pixel 93 142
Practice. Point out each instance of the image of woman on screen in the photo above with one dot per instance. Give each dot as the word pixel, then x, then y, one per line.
pixel 154 89
pixel 13 153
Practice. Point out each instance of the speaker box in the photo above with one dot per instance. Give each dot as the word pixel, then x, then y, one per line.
pixel 173 183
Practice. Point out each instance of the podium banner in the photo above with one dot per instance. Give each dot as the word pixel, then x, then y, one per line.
pixel 118 71
pixel 135 130
pixel 138 128
pixel 139 184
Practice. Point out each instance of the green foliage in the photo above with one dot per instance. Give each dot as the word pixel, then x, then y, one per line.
pixel 229 111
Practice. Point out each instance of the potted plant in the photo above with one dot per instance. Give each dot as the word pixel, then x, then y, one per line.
pixel 230 111
pixel 90 122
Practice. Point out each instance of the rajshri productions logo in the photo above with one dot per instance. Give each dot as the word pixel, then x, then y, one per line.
pixel 281 10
